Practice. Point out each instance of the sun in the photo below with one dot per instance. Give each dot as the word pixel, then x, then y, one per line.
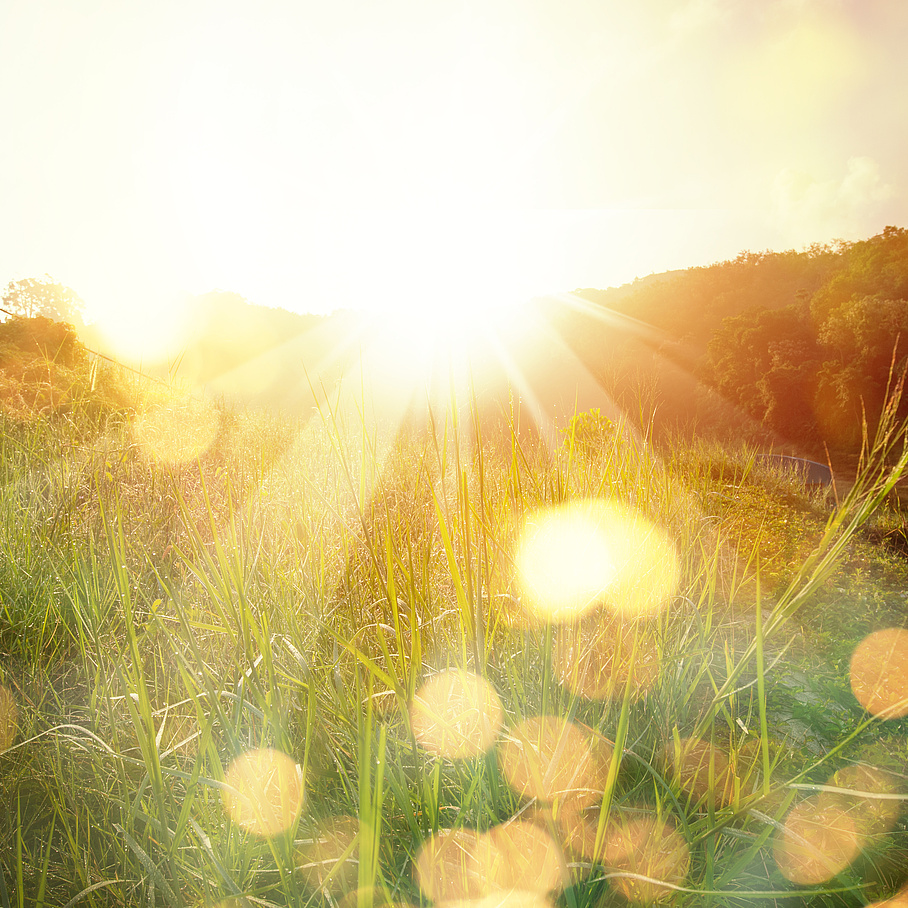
pixel 146 332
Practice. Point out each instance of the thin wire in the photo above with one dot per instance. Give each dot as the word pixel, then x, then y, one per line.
pixel 109 359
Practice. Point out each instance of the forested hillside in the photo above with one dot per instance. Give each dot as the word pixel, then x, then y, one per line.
pixel 797 346
pixel 794 350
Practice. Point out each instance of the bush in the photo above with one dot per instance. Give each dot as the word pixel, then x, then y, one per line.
pixel 45 369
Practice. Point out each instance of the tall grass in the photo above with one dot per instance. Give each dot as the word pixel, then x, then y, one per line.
pixel 293 589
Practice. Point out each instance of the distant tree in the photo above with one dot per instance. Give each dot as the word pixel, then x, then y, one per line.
pixel 865 343
pixel 874 267
pixel 868 332
pixel 765 362
pixel 32 297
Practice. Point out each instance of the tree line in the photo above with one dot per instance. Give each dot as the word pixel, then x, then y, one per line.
pixel 791 348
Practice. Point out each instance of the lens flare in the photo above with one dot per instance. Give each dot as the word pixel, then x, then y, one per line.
pixel 514 898
pixel 703 770
pixel 369 897
pixel 446 867
pixel 580 832
pixel 552 759
pixel 584 553
pixel 879 673
pixel 646 846
pixel 518 862
pixel 601 656
pixel 818 842
pixel 264 791
pixel 632 842
pixel 9 719
pixel 519 856
pixel 457 715
pixel 178 431
pixel 330 862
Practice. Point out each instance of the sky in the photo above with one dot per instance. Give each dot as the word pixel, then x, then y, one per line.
pixel 399 156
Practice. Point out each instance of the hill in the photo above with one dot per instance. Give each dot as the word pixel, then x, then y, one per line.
pixel 796 349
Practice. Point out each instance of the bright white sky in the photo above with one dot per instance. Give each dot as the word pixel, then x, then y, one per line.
pixel 410 153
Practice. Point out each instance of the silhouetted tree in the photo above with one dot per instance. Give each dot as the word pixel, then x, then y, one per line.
pixel 32 297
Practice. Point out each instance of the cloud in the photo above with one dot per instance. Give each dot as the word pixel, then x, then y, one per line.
pixel 810 210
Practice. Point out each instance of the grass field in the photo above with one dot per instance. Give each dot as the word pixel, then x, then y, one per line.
pixel 252 662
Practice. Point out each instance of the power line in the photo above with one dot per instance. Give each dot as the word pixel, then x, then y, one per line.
pixel 109 359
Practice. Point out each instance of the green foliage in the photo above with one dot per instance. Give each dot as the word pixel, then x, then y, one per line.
pixel 874 267
pixel 45 370
pixel 792 348
pixel 30 337
pixel 766 361
pixel 823 373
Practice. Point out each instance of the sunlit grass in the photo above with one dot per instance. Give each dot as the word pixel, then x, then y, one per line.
pixel 337 664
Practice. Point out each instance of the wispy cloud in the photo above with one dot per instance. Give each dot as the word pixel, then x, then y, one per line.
pixel 807 209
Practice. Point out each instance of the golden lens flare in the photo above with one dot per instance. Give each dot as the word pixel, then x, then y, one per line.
pixel 578 555
pixel 872 816
pixel 635 842
pixel 601 656
pixel 578 825
pixel 818 842
pixel 330 862
pixel 518 862
pixel 9 719
pixel 514 898
pixel 552 759
pixel 519 855
pixel 648 846
pixel 177 431
pixel 879 673
pixel 446 867
pixel 703 770
pixel 457 715
pixel 265 791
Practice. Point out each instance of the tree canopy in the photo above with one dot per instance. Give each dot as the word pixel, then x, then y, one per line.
pixel 33 297
pixel 805 345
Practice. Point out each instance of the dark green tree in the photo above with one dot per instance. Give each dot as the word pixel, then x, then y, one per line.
pixel 865 343
pixel 874 267
pixel 765 362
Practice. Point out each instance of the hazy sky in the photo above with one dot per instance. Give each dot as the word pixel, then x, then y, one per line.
pixel 388 153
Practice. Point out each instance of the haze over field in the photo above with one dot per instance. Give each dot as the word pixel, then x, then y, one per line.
pixel 403 156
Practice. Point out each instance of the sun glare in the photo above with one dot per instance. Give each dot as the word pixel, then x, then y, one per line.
pixel 263 791
pixel 144 333
pixel 176 431
pixel 456 715
pixel 879 673
pixel 584 553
